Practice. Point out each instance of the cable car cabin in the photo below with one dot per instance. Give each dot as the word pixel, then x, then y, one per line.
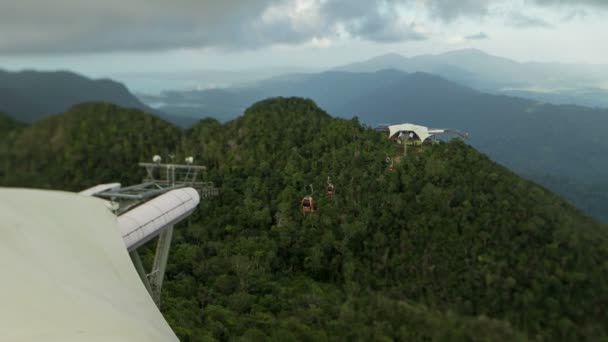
pixel 330 190
pixel 308 205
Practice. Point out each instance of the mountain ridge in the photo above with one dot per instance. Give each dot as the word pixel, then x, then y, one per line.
pixel 30 95
pixel 528 136
pixel 490 73
pixel 63 149
pixel 449 245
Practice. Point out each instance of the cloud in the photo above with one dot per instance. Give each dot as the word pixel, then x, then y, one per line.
pixel 321 43
pixel 523 21
pixel 575 15
pixel 456 40
pixel 478 36
pixel 63 26
pixel 449 10
pixel 373 20
pixel 91 26
pixel 576 3
pixel 460 39
pixel 87 26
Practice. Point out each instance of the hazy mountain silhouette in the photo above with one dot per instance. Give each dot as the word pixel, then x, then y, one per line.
pixel 486 70
pixel 562 83
pixel 31 95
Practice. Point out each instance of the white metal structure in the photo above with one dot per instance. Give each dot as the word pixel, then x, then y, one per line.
pixel 67 275
pixel 148 220
pixel 422 132
pixel 100 188
pixel 168 194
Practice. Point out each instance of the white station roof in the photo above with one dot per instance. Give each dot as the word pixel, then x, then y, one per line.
pixel 66 274
pixel 422 132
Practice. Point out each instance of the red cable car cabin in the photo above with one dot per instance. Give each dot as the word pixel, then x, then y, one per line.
pixel 330 190
pixel 308 205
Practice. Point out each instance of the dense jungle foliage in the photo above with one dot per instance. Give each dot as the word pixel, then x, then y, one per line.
pixel 8 125
pixel 447 246
pixel 562 147
pixel 88 144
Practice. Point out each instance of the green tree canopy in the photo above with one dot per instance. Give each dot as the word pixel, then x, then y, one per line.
pixel 447 246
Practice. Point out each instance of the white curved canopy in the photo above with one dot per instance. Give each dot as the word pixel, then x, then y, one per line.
pixel 421 131
pixel 66 274
pixel 100 188
pixel 146 221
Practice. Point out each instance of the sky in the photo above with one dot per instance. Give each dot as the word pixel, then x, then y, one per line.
pixel 132 36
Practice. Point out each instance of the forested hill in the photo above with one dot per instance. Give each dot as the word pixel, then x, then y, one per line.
pixel 88 144
pixel 448 246
pixel 7 125
pixel 561 147
pixel 31 95
pixel 9 128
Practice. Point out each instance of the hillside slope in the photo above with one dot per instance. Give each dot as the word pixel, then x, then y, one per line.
pixel 448 235
pixel 8 125
pixel 448 246
pixel 31 95
pixel 9 129
pixel 540 141
pixel 89 144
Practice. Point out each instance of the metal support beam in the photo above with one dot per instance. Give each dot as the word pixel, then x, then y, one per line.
pixel 160 264
pixel 139 267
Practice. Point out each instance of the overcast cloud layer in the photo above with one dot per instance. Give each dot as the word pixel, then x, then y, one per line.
pixel 599 3
pixel 32 27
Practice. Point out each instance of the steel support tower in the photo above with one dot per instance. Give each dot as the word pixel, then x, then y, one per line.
pixel 160 179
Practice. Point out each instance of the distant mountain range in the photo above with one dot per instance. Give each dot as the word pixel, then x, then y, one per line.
pixel 541 141
pixel 560 146
pixel 31 95
pixel 188 107
pixel 557 83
